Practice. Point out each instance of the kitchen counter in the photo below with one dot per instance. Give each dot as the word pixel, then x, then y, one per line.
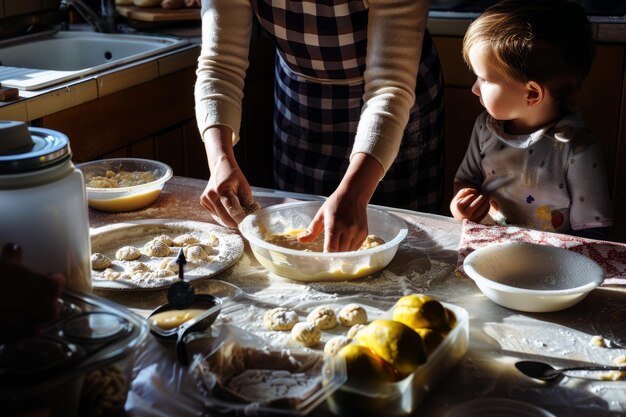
pixel 33 105
pixel 425 262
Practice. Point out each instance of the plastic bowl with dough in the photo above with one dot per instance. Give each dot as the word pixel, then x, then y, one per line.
pixel 300 265
pixel 129 198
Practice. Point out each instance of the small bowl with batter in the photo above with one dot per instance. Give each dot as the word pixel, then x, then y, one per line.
pixel 272 233
pixel 124 184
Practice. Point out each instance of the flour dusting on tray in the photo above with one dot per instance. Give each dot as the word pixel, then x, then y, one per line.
pixel 154 246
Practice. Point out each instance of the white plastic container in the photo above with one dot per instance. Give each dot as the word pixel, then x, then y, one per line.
pixel 300 265
pixel 43 204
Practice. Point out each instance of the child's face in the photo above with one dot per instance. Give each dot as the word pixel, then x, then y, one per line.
pixel 503 98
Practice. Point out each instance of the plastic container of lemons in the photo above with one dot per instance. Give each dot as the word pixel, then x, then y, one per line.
pixel 318 266
pixel 243 317
pixel 403 397
pixel 129 198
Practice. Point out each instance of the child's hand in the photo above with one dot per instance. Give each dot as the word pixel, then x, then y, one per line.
pixel 469 204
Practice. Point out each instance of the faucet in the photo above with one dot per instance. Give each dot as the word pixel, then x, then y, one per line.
pixel 105 22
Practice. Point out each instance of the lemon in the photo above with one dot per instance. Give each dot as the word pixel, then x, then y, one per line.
pixel 364 366
pixel 394 342
pixel 419 311
pixel 432 339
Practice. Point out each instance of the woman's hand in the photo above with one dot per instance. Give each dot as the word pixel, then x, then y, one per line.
pixel 227 192
pixel 469 204
pixel 343 216
pixel 343 219
pixel 226 195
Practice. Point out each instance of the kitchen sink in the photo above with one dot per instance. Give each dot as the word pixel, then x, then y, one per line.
pixel 54 58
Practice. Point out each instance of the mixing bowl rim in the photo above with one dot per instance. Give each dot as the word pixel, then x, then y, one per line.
pixel 169 172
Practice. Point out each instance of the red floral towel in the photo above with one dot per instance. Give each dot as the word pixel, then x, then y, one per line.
pixel 611 256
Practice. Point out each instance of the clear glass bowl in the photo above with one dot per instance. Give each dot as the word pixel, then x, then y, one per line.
pixel 125 198
pixel 318 266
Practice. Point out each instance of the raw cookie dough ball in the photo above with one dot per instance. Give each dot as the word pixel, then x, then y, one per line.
pixel 251 207
pixel 280 318
pixel 137 268
pixel 322 317
pixel 100 261
pixel 156 248
pixel 160 273
pixel 169 264
pixel 165 239
pixel 352 332
pixel 127 253
pixel 335 344
pixel 306 334
pixel 352 314
pixel 185 239
pixel 195 253
pixel 371 241
pixel 112 275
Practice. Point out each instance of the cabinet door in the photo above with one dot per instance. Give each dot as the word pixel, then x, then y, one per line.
pixel 600 101
pixel 170 148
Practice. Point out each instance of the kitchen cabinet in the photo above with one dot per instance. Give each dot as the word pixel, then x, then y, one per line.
pixel 603 107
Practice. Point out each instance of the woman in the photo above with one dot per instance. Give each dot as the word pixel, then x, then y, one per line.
pixel 352 118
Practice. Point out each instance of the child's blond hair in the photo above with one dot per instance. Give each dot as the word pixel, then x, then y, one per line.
pixel 546 41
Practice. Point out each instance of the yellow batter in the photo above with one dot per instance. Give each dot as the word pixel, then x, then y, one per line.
pixel 121 179
pixel 289 240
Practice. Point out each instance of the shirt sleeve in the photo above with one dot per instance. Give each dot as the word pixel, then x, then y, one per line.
pixel 588 188
pixel 395 34
pixel 471 169
pixel 222 64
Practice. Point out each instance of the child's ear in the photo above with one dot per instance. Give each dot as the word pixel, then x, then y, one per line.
pixel 535 93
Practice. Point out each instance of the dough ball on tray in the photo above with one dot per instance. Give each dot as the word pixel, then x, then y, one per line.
pixel 280 318
pixel 322 317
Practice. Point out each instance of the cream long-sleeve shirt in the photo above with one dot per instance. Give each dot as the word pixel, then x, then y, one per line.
pixel 395 33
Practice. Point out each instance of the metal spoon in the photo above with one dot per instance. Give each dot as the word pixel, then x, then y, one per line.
pixel 545 372
pixel 180 294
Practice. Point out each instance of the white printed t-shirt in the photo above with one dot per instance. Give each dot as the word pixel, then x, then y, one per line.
pixel 553 179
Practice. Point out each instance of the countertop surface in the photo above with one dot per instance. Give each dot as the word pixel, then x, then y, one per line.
pixel 425 263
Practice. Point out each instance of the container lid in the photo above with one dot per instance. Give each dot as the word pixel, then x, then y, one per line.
pixel 25 149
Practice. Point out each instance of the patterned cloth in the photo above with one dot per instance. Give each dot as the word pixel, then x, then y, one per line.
pixel 611 256
pixel 318 95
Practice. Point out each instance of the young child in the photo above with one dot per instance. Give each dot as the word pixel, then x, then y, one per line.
pixel 531 161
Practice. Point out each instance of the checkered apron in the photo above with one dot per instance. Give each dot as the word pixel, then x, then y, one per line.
pixel 318 98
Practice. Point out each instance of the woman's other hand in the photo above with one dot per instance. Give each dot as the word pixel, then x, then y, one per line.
pixel 228 191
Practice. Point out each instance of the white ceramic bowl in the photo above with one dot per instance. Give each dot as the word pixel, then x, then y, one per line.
pixel 125 198
pixel 318 266
pixel 532 277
